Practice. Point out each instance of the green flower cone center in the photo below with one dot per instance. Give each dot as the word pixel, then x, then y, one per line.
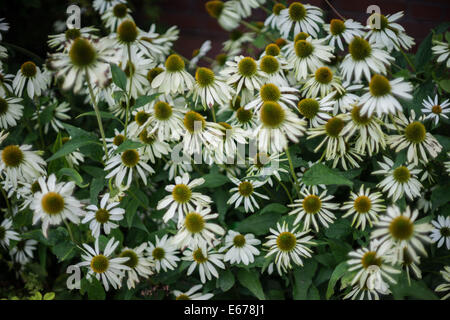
pixel 308 107
pixel 181 193
pixel 244 116
pixel 133 258
pixel 82 53
pixel 153 73
pixel 118 140
pixel 120 10
pixel 362 204
pixel 247 67
pixel 401 228
pixel 334 126
pixel 158 253
pixel 277 7
pixel 174 63
pixel 324 75
pixel 127 31
pixel 379 86
pixel 12 156
pixel 28 69
pixel 102 215
pixel 402 174
pixel 130 158
pixel 370 259
pixel 198 256
pixel 297 11
pixel 415 132
pixel 269 64
pixel 163 110
pixel 272 114
pixel 270 92
pixel 239 241
pixel 214 8
pixel 194 222
pixel 52 203
pixel 337 27
pixel 358 118
pixel 286 241
pixel 312 204
pixel 72 34
pixel 245 188
pixel 204 77
pixel 303 48
pixel 141 117
pixel 272 50
pixel 194 121
pixel 359 49
pixel 99 263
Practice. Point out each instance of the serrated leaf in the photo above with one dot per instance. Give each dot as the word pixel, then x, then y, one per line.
pixel 73 175
pixel 226 280
pixel 250 280
pixel 338 272
pixel 321 174
pixel 119 77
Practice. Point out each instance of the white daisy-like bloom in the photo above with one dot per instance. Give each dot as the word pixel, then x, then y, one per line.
pixel 314 208
pixel 277 125
pixel 196 229
pixel 334 139
pixel 442 50
pixel 237 40
pixel 140 266
pixel 245 75
pixel 269 92
pixel 399 230
pixel 19 163
pixel 441 231
pixel 227 149
pixel 6 80
pixel 164 253
pixel 411 265
pixel 365 207
pixel 22 253
pixel 389 33
pixel 321 83
pixel 59 114
pixel 74 158
pixel 364 58
pixel 114 142
pixel 245 119
pixel 200 53
pixel 182 199
pixel 207 260
pixel 30 76
pixel 199 133
pixel 370 137
pixel 54 203
pixel 124 164
pixel 433 110
pixel 240 248
pixel 399 181
pixel 101 6
pixel 115 15
pixel 346 99
pixel 289 246
pixel 273 20
pixel 175 79
pixel 340 32
pixel 192 294
pixel 154 147
pixel 349 158
pixel 415 137
pixel 364 293
pixel 372 266
pixel 444 287
pixel 103 216
pixel 136 68
pixel 225 12
pixel 178 168
pixel 4 27
pixel 245 7
pixel 10 111
pixel 300 17
pixel 265 166
pixel 316 110
pixel 381 96
pixel 306 56
pixel 62 41
pixel 102 266
pixel 7 233
pixel 210 89
pixel 274 65
pixel 86 59
pixel 245 192
pixel 157 45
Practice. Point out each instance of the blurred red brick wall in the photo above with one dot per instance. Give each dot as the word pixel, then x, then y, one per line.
pixel 197 26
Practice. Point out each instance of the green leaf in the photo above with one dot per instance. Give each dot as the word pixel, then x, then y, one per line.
pixel 103 114
pixel 47 114
pixel 303 279
pixel 128 145
pixel 73 175
pixel 260 41
pixel 423 55
pixel 72 145
pixel 321 174
pixel 439 196
pixel 49 296
pixel 214 180
pixel 274 207
pixel 339 229
pixel 75 132
pixel 445 85
pixel 250 280
pixel 64 250
pixel 226 280
pixel 338 272
pixel 143 100
pixel 119 77
pixel 258 224
pixel 95 290
pixel 97 185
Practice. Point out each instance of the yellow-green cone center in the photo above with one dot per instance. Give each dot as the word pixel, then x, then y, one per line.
pixel 245 188
pixel 277 7
pixel 133 259
pixel 402 174
pixel 12 156
pixel 120 10
pixel 204 77
pixel 334 126
pixel 221 58
pixel 174 63
pixel 194 121
pixel 127 31
pixel 35 187
pixel 102 215
pixel 378 18
pixel 286 241
pixel 297 11
pixel 243 115
pixel 359 48
pixel 415 132
pixel 52 203
pixel 130 158
pixel 324 75
pixel 379 86
pixel 312 204
pixel 303 48
pixel 3 106
pixel 151 75
pixel 158 253
pixel 370 259
pixel 141 117
pixel 247 67
pixel 181 193
pixel 362 204
pixel 269 92
pixel 28 69
pixel 82 53
pixel 194 222
pixel 214 8
pixel 198 256
pixel 118 140
pixel 163 110
pixel 239 241
pixel 301 36
pixel 308 108
pixel 437 109
pixel 272 114
pixel 358 118
pixel 183 297
pixel 272 50
pixel 401 228
pixel 337 26
pixel 72 34
pixel 99 263
pixel 269 64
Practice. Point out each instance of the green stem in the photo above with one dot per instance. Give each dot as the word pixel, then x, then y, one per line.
pixel 408 60
pixel 41 137
pixel 285 189
pixel 213 113
pixel 129 91
pixel 255 29
pixel 6 200
pixel 291 166
pixel 24 51
pixel 69 230
pixel 395 124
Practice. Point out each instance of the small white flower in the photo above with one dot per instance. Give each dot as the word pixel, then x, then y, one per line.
pixel 138 264
pixel 23 251
pixel 206 259
pixel 339 30
pixel 175 79
pixel 163 253
pixel 446 285
pixel 441 231
pixel 192 294
pixel 435 110
pixel 442 50
pixel 10 111
pixel 240 248
pixel 7 233
pixel 31 77
pixel 245 192
pixel 300 17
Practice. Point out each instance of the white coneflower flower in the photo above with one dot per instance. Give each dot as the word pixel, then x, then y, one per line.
pixel 446 285
pixel 398 228
pixel 175 79
pixel 442 50
pixel 178 168
pixel 389 33
pixel 206 259
pixel 199 133
pixel 115 15
pixel 312 207
pixel 372 265
pixel 63 40
pixel 339 30
pixel 237 40
pixel 415 137
pixel 103 216
pixel 7 233
pixel 139 265
pixel 136 68
pixel 6 80
pixel 409 264
pixel 225 13
pixel 154 148
pixel 316 110
pixel 441 231
pixel 399 181
pixel 210 88
pixel 122 166
pixel 288 246
pixel 240 248
pixel 200 53
pixel 349 158
pixel 23 251
pixel 381 95
pixel 284 96
pixel 59 113
pixel 435 110
pixel 163 253
pixel 334 139
pixel 192 294
pixel 367 129
pixel 106 269
pixel 245 192
pixel 4 26
pixel 10 111
pixel 114 142
pixel 31 77
pixel 103 5
pixel 227 149
pixel 244 7
pixel 300 17
pixel 364 206
pixel 277 126
pixel 273 20
pixel 182 199
pixel 74 158
pixel 156 45
pixel 86 59
pixel 364 58
pixel 274 67
pixel 346 98
pixel 321 83
pixel 19 163
pixel 166 121
pixel 195 229
pixel 363 293
pixel 265 166
pixel 244 74
pixel 54 203
pixel 308 55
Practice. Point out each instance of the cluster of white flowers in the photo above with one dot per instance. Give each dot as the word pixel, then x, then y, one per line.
pixel 326 84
